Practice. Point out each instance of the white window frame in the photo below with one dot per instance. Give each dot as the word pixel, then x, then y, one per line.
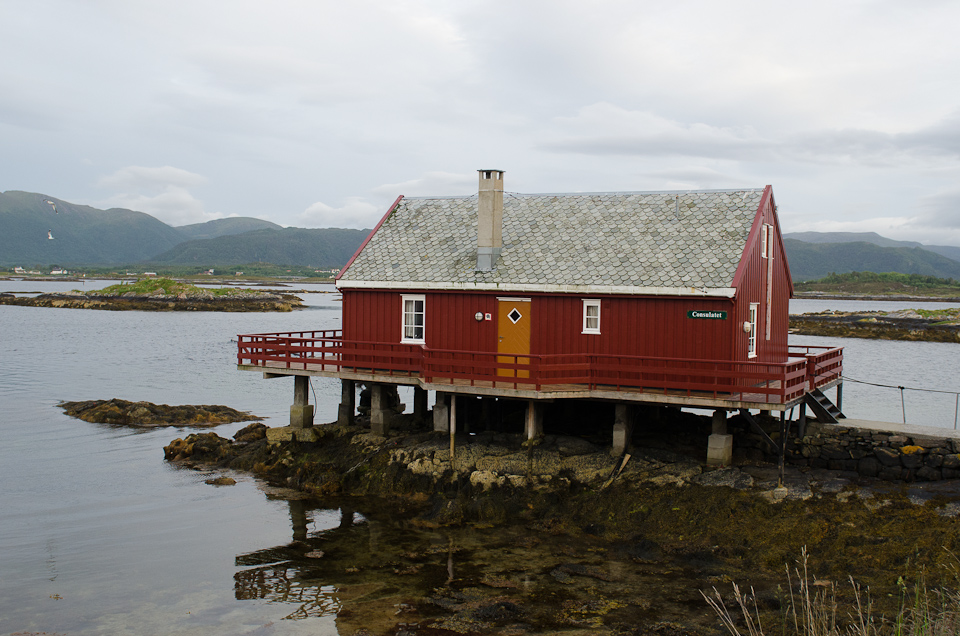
pixel 404 315
pixel 752 336
pixel 766 230
pixel 586 328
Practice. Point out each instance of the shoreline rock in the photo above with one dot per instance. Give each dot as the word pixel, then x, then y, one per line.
pixel 880 325
pixel 182 302
pixel 149 415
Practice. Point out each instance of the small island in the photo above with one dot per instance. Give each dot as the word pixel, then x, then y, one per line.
pixel 161 294
pixel 939 325
pixel 149 415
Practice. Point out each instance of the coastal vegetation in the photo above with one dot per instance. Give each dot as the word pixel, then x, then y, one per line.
pixel 919 325
pixel 161 294
pixel 881 284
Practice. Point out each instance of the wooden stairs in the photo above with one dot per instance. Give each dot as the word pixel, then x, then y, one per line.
pixel 825 410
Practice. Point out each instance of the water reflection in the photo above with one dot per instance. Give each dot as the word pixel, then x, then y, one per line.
pixel 370 568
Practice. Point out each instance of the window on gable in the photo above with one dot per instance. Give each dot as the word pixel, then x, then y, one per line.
pixel 752 336
pixel 414 313
pixel 591 316
pixel 766 233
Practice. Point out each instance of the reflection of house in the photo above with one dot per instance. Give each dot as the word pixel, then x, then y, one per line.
pixel 641 297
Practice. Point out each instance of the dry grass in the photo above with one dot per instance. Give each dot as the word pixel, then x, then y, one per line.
pixel 812 609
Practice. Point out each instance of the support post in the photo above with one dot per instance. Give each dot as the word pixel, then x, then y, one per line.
pixel 802 422
pixel 719 422
pixel 380 411
pixel 720 443
pixel 419 404
pixel 486 412
pixel 622 429
pixel 534 424
pixel 301 413
pixel 840 397
pixel 453 426
pixel 441 413
pixel 348 403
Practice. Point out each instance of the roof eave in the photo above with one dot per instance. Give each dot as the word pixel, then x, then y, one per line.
pixel 631 290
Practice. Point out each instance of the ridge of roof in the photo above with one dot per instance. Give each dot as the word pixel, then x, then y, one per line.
pixel 589 194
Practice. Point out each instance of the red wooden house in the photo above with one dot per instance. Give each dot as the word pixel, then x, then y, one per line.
pixel 637 297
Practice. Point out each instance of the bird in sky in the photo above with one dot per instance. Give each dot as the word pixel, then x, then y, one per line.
pixel 50 234
pixel 52 205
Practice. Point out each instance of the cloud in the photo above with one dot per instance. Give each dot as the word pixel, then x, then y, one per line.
pixel 136 177
pixel 162 192
pixel 942 208
pixel 606 129
pixel 697 178
pixel 355 213
pixel 432 184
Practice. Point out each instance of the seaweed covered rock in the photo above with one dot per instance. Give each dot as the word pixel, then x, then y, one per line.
pixel 149 415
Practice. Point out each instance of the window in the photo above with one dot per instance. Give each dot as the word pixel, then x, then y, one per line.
pixel 766 233
pixel 591 316
pixel 413 319
pixel 752 336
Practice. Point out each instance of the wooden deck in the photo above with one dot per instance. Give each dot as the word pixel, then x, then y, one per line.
pixel 521 388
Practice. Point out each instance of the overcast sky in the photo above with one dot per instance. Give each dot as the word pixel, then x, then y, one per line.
pixel 319 114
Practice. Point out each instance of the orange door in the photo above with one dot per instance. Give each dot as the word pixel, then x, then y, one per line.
pixel 513 329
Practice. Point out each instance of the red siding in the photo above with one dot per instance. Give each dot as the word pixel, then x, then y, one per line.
pixel 751 284
pixel 628 325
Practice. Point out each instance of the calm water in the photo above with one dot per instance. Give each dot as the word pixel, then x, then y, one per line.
pixel 99 535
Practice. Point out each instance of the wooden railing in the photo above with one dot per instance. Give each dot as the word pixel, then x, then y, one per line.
pixel 807 367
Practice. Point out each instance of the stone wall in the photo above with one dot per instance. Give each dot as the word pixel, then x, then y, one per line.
pixel 889 455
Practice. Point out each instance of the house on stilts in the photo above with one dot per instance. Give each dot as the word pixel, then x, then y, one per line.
pixel 631 298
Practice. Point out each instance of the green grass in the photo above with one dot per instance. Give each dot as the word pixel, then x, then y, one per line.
pixel 145 286
pixel 887 283
pixel 816 608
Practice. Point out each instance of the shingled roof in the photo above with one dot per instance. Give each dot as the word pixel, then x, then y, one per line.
pixel 683 243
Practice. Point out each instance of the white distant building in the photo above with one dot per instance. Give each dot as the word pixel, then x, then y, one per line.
pixel 19 270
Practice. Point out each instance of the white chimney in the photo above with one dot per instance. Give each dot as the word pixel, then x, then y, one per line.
pixel 490 219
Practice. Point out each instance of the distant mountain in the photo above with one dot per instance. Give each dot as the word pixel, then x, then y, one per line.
pixel 80 234
pixel 949 251
pixel 323 248
pixel 224 227
pixel 810 261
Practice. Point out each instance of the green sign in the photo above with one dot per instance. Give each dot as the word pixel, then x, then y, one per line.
pixel 710 315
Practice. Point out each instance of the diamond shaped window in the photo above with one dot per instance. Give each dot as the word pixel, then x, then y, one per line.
pixel 514 315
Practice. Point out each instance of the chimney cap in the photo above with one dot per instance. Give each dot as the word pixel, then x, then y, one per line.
pixel 492 170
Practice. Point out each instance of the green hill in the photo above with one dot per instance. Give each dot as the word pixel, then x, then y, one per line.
pixel 811 261
pixel 224 227
pixel 81 234
pixel 323 248
pixel 950 251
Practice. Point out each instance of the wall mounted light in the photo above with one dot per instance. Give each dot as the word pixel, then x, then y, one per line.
pixel 746 326
pixel 478 316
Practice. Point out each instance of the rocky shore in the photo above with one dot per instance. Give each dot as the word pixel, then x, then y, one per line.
pixel 928 326
pixel 149 415
pixel 659 503
pixel 199 301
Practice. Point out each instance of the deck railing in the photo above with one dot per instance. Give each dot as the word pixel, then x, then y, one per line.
pixel 806 368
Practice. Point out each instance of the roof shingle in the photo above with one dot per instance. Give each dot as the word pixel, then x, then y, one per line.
pixel 643 240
